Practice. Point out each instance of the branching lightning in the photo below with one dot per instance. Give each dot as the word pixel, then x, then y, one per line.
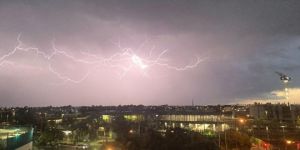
pixel 125 60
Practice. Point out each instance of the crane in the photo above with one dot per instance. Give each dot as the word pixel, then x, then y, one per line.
pixel 285 80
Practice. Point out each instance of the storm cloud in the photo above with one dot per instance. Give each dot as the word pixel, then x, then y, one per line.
pixel 243 43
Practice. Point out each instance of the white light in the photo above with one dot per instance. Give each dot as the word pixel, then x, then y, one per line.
pixel 67 132
pixel 138 61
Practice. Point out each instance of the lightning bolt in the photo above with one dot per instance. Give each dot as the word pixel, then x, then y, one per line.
pixel 125 60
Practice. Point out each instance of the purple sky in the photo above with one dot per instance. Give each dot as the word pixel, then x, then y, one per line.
pixel 240 44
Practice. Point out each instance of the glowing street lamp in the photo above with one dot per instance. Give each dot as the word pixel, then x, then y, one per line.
pixel 242 121
pixel 289 142
pixel 131 131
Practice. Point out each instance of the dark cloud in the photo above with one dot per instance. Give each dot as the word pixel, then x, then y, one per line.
pixel 245 42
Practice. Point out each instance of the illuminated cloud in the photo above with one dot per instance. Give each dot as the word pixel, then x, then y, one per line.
pixel 207 51
pixel 278 96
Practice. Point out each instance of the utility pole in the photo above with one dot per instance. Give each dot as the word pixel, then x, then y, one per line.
pixel 225 140
pixel 219 140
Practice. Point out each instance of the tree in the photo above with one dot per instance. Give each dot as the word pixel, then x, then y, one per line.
pixel 237 140
pixel 51 136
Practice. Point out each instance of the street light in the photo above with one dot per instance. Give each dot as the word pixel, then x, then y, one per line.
pixel 283 131
pixel 131 131
pixel 289 142
pixel 242 121
pixel 267 130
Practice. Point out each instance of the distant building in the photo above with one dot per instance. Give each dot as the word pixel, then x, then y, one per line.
pixel 279 112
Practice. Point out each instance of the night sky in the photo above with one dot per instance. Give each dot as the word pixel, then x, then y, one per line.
pixel 151 52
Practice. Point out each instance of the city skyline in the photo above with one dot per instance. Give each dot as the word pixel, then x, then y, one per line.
pixel 148 52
